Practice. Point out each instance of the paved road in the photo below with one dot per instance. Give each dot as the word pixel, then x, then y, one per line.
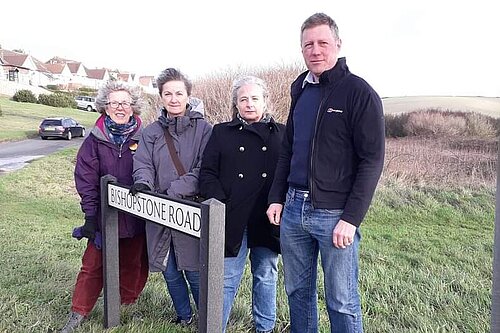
pixel 15 155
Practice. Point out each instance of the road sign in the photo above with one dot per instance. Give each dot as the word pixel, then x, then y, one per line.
pixel 172 214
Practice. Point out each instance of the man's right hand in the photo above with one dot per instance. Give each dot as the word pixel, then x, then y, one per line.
pixel 138 187
pixel 274 213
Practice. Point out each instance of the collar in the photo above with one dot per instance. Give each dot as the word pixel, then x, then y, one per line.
pixel 309 79
pixel 237 123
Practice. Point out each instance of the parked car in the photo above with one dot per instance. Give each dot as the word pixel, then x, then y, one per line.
pixel 85 103
pixel 60 127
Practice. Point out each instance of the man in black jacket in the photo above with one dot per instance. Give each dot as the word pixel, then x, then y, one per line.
pixel 327 172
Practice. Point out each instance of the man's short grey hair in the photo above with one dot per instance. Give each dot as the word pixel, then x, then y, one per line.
pixel 172 74
pixel 320 19
pixel 135 92
pixel 244 80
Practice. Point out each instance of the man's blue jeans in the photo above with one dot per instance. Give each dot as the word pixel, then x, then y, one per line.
pixel 264 266
pixel 178 289
pixel 304 232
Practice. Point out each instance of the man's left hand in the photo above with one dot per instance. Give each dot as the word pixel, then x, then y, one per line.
pixel 343 234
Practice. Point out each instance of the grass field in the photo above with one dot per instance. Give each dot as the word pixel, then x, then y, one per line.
pixel 20 120
pixel 426 260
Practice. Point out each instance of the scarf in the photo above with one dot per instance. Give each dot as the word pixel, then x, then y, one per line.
pixel 265 118
pixel 118 133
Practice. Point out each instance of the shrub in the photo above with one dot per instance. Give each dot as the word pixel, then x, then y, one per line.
pixel 395 125
pixel 150 111
pixel 435 123
pixel 495 122
pixel 479 125
pixel 441 123
pixel 24 95
pixel 1 111
pixel 215 90
pixel 52 87
pixel 84 91
pixel 58 100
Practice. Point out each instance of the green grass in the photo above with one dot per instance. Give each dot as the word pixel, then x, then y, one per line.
pixel 20 120
pixel 425 260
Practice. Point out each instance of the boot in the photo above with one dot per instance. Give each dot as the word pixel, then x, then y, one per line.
pixel 183 322
pixel 74 320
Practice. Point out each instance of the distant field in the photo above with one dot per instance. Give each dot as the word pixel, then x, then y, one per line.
pixel 486 105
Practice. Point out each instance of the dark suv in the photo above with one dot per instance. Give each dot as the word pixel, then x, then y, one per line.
pixel 60 127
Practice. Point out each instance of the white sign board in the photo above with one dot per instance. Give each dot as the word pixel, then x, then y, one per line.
pixel 166 212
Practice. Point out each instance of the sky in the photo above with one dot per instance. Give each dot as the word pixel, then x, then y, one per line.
pixel 402 48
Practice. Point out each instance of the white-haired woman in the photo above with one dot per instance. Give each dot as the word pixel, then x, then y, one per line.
pixel 238 168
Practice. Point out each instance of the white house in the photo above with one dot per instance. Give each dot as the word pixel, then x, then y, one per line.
pixel 25 69
pixel 61 74
pixel 97 77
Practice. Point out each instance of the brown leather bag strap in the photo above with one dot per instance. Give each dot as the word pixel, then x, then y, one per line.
pixel 173 153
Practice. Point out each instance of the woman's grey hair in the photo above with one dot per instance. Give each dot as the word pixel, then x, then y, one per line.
pixel 320 19
pixel 135 93
pixel 172 74
pixel 249 79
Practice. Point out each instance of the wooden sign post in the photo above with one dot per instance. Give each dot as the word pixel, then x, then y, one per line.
pixel 202 220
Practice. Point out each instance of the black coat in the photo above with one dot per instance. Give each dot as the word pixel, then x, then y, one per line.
pixel 238 169
pixel 348 145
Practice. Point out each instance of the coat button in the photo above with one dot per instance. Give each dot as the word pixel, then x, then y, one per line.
pixel 240 128
pixel 264 175
pixel 242 148
pixel 240 175
pixel 264 148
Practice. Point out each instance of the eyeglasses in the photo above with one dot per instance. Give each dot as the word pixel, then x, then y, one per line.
pixel 124 105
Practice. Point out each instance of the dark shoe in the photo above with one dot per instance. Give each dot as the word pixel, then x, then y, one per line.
pixel 183 322
pixel 74 320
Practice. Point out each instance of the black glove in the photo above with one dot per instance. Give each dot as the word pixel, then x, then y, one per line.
pixel 89 227
pixel 138 187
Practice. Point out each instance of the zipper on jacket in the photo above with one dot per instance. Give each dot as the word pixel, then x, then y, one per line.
pixel 313 141
pixel 312 152
pixel 120 151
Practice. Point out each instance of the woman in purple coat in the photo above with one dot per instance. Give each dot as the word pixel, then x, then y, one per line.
pixel 108 150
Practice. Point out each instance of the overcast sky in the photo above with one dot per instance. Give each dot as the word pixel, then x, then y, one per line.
pixel 402 48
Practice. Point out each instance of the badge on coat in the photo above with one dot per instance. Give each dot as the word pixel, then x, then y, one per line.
pixel 133 147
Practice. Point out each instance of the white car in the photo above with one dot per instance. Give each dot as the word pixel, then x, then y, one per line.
pixel 85 103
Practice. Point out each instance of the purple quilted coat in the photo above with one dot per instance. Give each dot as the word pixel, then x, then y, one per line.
pixel 97 157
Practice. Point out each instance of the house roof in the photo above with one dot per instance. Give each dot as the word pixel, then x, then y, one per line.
pixel 74 66
pixel 40 66
pixel 96 73
pixel 55 65
pixel 13 58
pixel 55 68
